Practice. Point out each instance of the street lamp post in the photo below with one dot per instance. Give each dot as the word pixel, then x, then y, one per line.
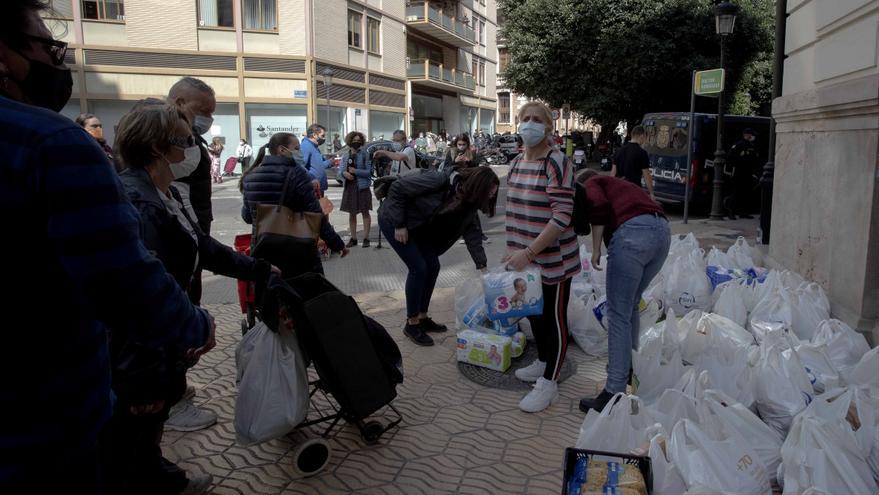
pixel 328 83
pixel 725 15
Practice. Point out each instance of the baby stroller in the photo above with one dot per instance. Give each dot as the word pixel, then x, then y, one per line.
pixel 358 365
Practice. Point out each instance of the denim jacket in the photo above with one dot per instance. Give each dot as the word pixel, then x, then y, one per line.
pixel 364 168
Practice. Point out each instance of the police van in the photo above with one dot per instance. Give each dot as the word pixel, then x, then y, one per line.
pixel 666 144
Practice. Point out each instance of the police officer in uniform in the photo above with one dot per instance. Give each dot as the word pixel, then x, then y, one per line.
pixel 744 159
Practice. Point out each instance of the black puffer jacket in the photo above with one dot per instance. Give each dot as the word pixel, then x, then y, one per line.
pixel 414 201
pixel 264 185
pixel 163 235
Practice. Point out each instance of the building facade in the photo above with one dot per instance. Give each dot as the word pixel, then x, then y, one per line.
pixel 280 65
pixel 451 62
pixel 825 208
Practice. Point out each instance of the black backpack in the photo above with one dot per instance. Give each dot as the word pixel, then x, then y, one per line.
pixel 579 217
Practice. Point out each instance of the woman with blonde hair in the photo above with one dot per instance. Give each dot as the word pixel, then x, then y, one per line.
pixel 540 206
pixel 215 149
pixel 356 179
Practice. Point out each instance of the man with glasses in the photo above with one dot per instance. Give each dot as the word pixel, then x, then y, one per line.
pixel 78 268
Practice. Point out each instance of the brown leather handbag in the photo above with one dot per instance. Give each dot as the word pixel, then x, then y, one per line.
pixel 280 220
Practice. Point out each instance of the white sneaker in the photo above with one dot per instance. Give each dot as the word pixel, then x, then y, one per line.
pixel 198 484
pixel 544 394
pixel 531 372
pixel 184 416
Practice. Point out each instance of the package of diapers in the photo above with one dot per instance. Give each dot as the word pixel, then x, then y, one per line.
pixel 486 350
pixel 519 342
pixel 510 295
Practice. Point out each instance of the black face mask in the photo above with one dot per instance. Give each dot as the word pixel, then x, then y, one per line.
pixel 321 141
pixel 47 86
pixel 356 145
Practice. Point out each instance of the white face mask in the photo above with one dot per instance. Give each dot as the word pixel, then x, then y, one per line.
pixel 202 124
pixel 185 168
pixel 532 133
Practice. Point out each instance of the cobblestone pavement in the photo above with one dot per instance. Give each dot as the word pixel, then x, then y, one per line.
pixel 456 436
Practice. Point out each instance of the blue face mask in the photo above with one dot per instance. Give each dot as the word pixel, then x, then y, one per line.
pixel 532 133
pixel 397 146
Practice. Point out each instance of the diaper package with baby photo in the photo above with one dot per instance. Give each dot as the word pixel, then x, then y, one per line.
pixel 513 294
pixel 486 350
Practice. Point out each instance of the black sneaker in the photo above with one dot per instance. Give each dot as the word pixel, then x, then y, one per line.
pixel 352 243
pixel 365 243
pixel 416 334
pixel 428 325
pixel 596 403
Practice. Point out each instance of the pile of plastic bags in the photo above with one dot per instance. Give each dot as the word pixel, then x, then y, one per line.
pixel 766 392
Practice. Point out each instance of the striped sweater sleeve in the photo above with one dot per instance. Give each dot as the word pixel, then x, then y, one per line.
pixel 95 232
pixel 560 189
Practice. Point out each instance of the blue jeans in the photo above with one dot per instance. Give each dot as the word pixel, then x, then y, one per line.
pixel 636 253
pixel 424 267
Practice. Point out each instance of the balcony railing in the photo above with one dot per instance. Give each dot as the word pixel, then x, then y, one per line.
pixel 427 70
pixel 425 12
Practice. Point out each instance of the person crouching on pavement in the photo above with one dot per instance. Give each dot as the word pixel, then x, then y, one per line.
pixel 424 214
pixel 540 202
pixel 636 233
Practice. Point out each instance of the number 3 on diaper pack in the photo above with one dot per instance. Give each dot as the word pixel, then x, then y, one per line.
pixel 513 294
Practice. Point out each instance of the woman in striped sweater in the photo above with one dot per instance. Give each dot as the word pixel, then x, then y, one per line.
pixel 540 202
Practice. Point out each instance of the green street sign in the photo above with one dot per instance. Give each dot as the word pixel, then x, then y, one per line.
pixel 709 82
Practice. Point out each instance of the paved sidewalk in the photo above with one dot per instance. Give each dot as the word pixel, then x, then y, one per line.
pixel 456 436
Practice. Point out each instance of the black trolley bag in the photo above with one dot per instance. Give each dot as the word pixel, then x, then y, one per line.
pixel 355 362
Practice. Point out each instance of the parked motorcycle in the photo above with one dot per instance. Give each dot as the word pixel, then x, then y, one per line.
pixel 579 159
pixel 494 156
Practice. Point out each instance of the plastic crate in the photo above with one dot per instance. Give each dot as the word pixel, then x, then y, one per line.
pixel 572 455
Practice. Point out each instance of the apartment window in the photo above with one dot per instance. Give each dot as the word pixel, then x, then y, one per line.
pixel 503 100
pixel 355 29
pixel 373 35
pixel 103 10
pixel 418 53
pixel 260 15
pixel 475 70
pixel 482 73
pixel 481 32
pixel 504 59
pixel 60 9
pixel 215 13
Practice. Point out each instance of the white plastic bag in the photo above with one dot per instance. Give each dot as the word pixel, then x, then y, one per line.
pixel 731 303
pixel 470 309
pixel 781 387
pixel 694 383
pixel 823 452
pixel 844 346
pixel 273 393
pixel 765 441
pixel 673 406
pixel 729 371
pixel 687 286
pixel 244 349
pixel 740 254
pixel 701 331
pixel 775 307
pixel 620 427
pixel 819 369
pixel 657 362
pixel 866 373
pixel 723 461
pixel 682 245
pixel 809 308
pixel 716 257
pixel 585 327
pixel 666 478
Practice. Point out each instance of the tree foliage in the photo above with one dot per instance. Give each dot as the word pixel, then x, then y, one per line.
pixel 618 59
